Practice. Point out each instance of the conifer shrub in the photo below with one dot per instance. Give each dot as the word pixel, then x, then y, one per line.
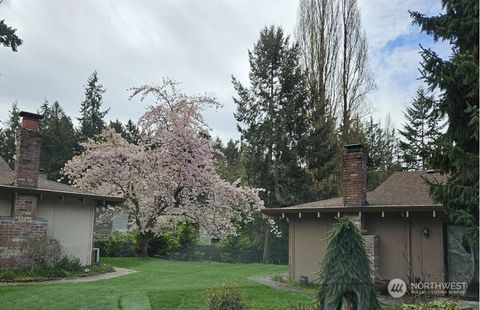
pixel 345 276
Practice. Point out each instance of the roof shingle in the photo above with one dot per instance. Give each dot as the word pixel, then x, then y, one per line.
pixel 7 178
pixel 406 188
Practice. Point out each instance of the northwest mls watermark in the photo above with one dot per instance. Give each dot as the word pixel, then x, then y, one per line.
pixel 397 288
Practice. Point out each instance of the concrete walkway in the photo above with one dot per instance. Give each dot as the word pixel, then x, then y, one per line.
pixel 266 280
pixel 104 276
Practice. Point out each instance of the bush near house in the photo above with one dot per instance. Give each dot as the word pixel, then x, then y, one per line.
pixel 48 260
pixel 67 268
pixel 226 296
pixel 182 244
pixel 121 243
pixel 436 305
pixel 41 251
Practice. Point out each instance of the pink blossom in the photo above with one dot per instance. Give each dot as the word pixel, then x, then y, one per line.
pixel 169 175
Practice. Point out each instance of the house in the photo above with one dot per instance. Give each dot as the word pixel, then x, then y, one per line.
pixel 31 206
pixel 406 234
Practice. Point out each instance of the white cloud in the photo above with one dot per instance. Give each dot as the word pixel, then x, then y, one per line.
pixel 200 43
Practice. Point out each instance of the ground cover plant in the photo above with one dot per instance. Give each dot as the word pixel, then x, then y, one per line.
pixel 157 284
pixel 67 268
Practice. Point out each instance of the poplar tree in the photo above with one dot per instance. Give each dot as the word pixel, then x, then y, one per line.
pixel 456 79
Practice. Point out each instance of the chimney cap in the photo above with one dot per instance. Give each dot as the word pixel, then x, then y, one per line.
pixel 30 115
pixel 355 147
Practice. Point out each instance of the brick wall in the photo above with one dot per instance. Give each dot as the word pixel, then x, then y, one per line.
pixel 371 247
pixel 354 176
pixel 23 224
pixel 13 231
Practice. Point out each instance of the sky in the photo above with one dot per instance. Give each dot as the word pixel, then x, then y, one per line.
pixel 198 43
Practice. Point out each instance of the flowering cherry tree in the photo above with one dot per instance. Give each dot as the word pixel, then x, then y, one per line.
pixel 169 175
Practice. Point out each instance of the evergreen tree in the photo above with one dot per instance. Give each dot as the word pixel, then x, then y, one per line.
pixel 132 133
pixel 456 78
pixel 91 119
pixel 345 275
pixel 382 148
pixel 273 119
pixel 230 164
pixel 419 134
pixel 129 131
pixel 8 135
pixel 323 162
pixel 272 116
pixel 118 127
pixel 8 37
pixel 58 139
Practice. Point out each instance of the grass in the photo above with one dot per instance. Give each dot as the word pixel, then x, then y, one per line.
pixel 157 284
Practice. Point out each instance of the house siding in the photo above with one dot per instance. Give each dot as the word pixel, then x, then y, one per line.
pixel 426 253
pixel 307 244
pixel 71 222
pixel 308 241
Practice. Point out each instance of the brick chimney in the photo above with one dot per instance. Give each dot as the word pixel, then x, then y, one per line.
pixel 27 157
pixel 23 222
pixel 354 173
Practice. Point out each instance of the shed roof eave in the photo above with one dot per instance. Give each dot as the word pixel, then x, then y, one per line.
pixel 41 191
pixel 349 209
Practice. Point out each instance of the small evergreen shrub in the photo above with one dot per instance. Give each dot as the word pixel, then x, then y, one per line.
pixel 345 276
pixel 226 296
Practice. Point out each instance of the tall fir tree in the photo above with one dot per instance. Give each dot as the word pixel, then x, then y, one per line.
pixel 273 118
pixel 420 132
pixel 58 139
pixel 8 37
pixel 132 133
pixel 91 120
pixel 456 79
pixel 382 149
pixel 8 135
pixel 321 156
pixel 230 164
pixel 118 127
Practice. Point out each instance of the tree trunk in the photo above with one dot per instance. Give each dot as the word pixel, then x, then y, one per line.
pixel 143 244
pixel 266 245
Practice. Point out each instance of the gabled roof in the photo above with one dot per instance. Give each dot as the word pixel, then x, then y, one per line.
pixel 7 177
pixel 403 191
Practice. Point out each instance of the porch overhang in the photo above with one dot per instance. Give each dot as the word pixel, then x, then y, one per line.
pixel 298 210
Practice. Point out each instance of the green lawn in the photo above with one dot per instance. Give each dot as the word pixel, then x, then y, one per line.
pixel 157 284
